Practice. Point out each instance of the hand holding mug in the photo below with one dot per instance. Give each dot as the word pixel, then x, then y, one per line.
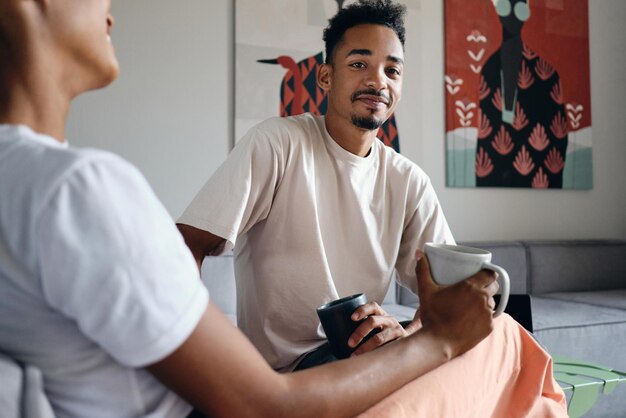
pixel 451 264
pixel 351 322
pixel 376 328
pixel 459 315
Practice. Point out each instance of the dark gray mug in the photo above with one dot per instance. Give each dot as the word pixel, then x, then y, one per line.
pixel 338 326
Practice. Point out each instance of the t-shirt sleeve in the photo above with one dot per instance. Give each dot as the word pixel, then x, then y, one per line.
pixel 112 260
pixel 240 193
pixel 426 223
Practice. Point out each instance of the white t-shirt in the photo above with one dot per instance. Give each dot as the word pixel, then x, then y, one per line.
pixel 95 280
pixel 313 222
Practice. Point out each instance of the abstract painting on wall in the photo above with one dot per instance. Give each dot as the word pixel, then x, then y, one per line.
pixel 517 94
pixel 278 49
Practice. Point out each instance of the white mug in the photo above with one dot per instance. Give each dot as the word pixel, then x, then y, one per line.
pixel 451 264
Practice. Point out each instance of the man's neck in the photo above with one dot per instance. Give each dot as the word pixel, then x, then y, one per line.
pixel 355 140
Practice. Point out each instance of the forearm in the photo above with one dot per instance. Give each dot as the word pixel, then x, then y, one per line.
pixel 219 372
pixel 346 388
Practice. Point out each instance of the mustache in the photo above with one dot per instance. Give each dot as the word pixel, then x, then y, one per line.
pixel 372 92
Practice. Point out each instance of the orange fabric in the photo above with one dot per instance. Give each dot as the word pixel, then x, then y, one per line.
pixel 507 375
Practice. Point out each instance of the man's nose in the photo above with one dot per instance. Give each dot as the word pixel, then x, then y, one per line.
pixel 376 78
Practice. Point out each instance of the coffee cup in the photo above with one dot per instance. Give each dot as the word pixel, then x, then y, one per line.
pixel 336 319
pixel 450 264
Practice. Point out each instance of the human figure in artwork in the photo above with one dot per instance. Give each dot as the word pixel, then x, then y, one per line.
pixel 522 127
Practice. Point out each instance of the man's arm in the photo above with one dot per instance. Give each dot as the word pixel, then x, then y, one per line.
pixel 201 243
pixel 219 372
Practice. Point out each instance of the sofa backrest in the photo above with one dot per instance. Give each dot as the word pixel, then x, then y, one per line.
pixel 576 265
pixel 511 255
pixel 534 267
pixel 218 275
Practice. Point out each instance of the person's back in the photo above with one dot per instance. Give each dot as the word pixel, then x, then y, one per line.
pixel 50 305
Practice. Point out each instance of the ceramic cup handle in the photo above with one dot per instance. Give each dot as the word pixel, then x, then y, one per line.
pixel 504 286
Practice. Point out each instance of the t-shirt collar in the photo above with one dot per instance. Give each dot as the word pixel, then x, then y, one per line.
pixel 344 155
pixel 24 131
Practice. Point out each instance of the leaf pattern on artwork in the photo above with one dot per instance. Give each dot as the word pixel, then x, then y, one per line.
pixel 496 100
pixel 538 138
pixel 523 163
pixel 559 126
pixel 556 94
pixel 519 121
pixel 453 84
pixel 485 126
pixel 484 166
pixel 502 143
pixel 543 69
pixel 464 110
pixel 483 90
pixel 525 78
pixel 554 161
pixel 540 181
pixel 575 114
pixel 528 53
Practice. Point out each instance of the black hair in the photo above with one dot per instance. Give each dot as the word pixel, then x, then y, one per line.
pixel 378 12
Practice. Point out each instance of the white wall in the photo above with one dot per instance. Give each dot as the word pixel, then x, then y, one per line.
pixel 170 113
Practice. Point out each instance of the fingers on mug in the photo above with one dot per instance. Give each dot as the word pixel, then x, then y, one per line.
pixel 504 287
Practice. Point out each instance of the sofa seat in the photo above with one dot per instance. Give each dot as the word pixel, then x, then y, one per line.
pixel 572 329
pixel 401 312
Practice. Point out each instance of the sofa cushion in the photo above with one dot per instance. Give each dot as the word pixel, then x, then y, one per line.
pixel 573 265
pixel 218 275
pixel 585 332
pixel 400 312
pixel 578 330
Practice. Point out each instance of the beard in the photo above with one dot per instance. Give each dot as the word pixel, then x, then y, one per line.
pixel 370 123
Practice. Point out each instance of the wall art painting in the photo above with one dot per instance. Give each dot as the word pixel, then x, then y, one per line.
pixel 517 94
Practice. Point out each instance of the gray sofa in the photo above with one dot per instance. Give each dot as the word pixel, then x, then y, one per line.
pixel 578 294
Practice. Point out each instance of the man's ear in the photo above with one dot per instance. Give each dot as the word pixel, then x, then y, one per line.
pixel 324 77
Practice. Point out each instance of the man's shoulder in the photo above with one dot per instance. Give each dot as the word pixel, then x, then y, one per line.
pixel 398 164
pixel 300 127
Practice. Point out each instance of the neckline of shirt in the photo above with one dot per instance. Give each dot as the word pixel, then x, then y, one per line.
pixel 24 131
pixel 344 155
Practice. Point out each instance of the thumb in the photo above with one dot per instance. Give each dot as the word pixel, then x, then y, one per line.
pixel 425 283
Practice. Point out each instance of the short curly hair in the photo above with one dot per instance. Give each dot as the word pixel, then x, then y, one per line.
pixel 378 12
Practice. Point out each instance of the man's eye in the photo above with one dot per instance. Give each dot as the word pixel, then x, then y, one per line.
pixel 357 65
pixel 393 71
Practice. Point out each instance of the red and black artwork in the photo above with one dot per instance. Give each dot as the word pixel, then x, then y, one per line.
pixel 517 90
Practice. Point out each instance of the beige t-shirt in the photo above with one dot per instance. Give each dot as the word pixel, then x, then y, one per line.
pixel 310 222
